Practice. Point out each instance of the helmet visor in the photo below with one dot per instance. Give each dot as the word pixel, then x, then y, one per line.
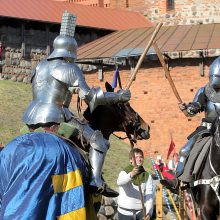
pixel 215 81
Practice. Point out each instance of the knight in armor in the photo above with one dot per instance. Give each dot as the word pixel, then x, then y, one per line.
pixel 54 81
pixel 207 100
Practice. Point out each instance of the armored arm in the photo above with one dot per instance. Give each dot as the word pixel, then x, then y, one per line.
pixel 72 77
pixel 197 105
pixel 96 97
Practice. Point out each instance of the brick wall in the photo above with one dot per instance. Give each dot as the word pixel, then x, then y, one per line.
pixel 154 100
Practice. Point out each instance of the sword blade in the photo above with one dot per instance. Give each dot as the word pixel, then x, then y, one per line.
pixel 167 72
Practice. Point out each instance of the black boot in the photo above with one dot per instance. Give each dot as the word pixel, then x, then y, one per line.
pixel 172 185
pixel 104 190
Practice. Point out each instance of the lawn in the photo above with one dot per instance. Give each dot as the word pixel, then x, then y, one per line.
pixel 14 98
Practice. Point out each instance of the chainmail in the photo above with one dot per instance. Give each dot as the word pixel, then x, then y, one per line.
pixel 211 94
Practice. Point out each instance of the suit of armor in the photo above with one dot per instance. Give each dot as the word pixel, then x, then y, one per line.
pixel 53 82
pixel 207 99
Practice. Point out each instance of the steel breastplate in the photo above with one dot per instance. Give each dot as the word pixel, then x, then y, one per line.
pixel 46 88
pixel 71 75
pixel 213 102
pixel 211 94
pixel 210 111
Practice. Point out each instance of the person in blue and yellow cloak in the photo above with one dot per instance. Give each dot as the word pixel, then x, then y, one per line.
pixel 42 178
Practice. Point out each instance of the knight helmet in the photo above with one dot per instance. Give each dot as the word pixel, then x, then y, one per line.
pixel 65 45
pixel 214 74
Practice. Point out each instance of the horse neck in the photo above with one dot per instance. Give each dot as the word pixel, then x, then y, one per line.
pixel 107 129
pixel 214 157
pixel 211 167
pixel 105 119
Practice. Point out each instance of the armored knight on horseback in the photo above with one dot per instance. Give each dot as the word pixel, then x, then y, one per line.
pixel 54 81
pixel 207 99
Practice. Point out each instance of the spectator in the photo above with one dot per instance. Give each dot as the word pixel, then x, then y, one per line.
pixel 129 199
pixel 163 168
pixel 159 163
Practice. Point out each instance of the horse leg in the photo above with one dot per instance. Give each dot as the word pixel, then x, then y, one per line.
pixel 207 204
pixel 207 212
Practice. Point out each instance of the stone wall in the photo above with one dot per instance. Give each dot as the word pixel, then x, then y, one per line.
pixel 184 12
pixel 108 209
pixel 16 67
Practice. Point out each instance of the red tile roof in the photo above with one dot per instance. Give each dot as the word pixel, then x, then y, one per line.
pixel 87 16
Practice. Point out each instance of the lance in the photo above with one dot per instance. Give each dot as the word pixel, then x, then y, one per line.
pixel 143 54
pixel 168 76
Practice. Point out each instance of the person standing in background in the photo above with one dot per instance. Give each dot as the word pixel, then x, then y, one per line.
pixel 129 199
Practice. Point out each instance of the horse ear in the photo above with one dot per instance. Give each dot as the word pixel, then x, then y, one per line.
pixel 108 87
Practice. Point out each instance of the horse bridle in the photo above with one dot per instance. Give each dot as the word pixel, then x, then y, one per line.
pixel 137 128
pixel 132 138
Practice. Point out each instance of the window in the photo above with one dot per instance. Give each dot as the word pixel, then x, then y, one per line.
pixel 170 5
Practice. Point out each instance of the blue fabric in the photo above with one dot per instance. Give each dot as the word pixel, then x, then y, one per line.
pixel 26 166
pixel 114 82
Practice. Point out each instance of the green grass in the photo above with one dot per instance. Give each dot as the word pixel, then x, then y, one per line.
pixel 14 99
pixel 117 158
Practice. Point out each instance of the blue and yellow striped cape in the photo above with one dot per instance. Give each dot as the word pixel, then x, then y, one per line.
pixel 41 178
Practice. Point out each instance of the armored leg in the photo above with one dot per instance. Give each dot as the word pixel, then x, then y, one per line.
pixel 173 184
pixel 184 153
pixel 99 147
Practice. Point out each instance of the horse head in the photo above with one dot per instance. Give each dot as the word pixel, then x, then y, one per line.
pixel 117 117
pixel 133 124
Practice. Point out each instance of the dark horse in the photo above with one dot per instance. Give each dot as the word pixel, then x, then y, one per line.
pixel 118 117
pixel 207 190
pixel 112 118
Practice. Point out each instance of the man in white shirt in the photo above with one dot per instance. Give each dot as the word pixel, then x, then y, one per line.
pixel 129 199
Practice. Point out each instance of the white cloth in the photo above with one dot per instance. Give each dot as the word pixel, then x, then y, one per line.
pixel 130 197
pixel 171 165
